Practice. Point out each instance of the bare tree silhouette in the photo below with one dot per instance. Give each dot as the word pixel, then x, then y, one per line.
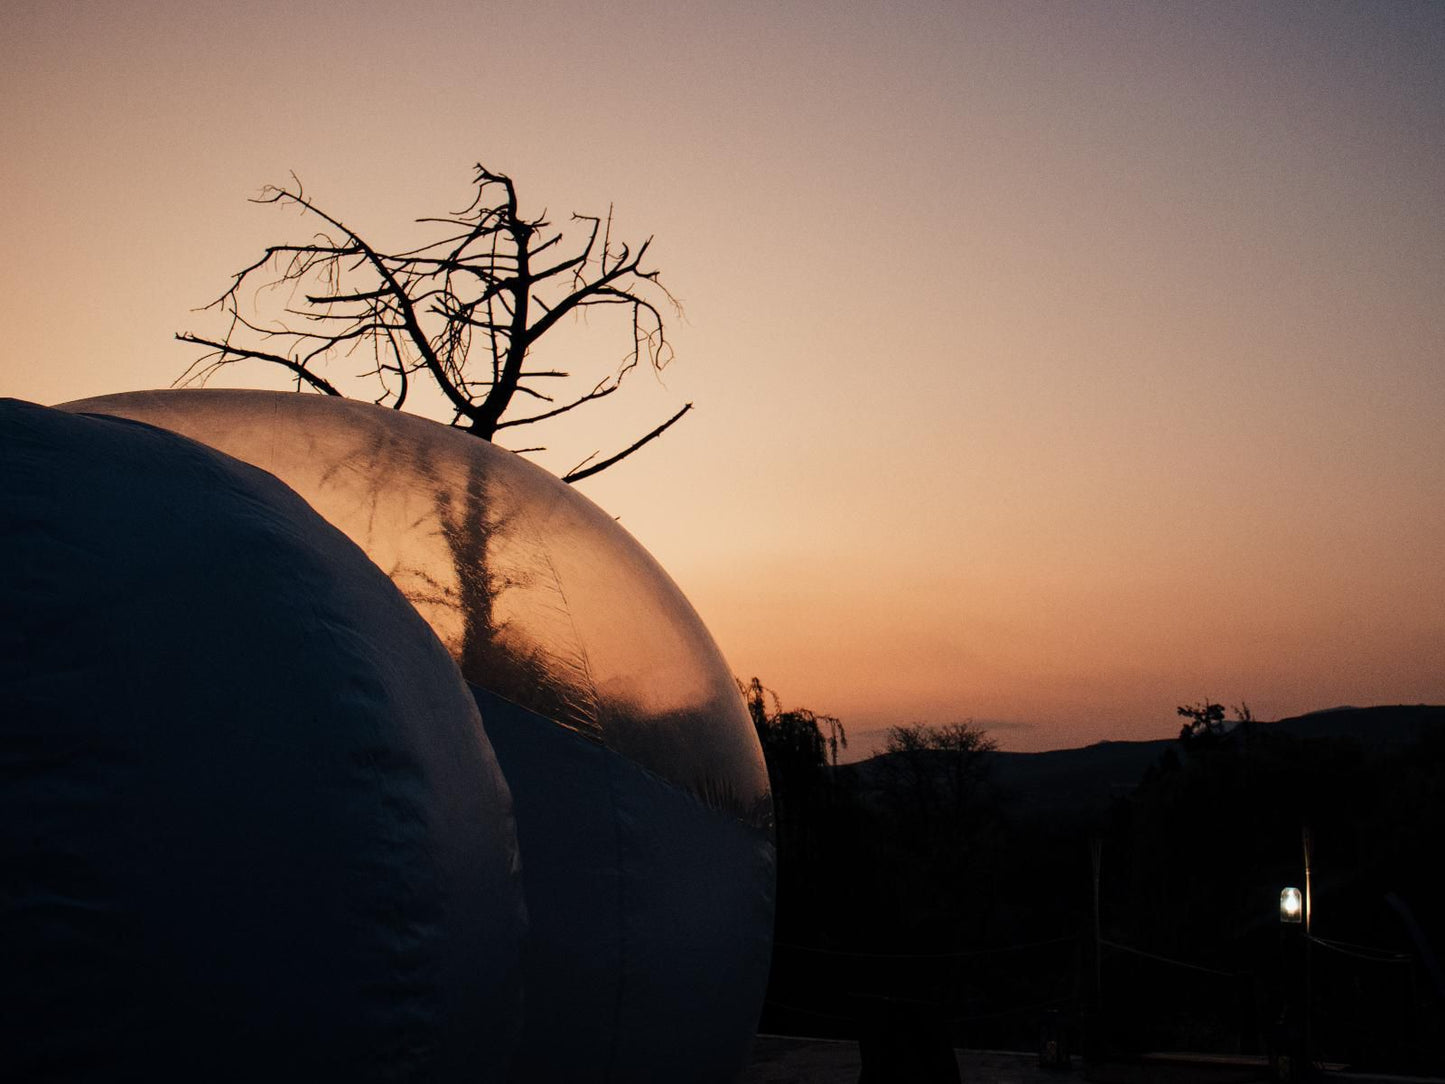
pixel 461 313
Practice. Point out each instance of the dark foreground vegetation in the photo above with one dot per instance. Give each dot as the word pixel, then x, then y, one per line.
pixel 1121 898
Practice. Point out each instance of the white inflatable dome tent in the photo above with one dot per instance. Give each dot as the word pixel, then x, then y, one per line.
pixel 642 809
pixel 250 825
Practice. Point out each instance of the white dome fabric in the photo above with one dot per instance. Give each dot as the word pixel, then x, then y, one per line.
pixel 642 804
pixel 250 825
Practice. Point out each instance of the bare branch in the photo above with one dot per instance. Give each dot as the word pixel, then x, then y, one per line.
pixel 465 307
pixel 601 391
pixel 317 382
pixel 398 294
pixel 577 473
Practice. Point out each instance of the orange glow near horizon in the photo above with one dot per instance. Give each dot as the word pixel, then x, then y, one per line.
pixel 1054 364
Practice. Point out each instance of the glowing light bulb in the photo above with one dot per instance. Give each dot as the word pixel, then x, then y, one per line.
pixel 1291 905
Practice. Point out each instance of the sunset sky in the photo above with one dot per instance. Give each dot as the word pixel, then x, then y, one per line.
pixel 1054 364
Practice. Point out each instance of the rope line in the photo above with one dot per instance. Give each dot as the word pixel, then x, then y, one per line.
pixel 1177 963
pixel 1364 952
pixel 959 955
pixel 1016 1010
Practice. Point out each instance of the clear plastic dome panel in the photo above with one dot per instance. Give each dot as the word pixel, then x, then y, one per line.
pixel 538 594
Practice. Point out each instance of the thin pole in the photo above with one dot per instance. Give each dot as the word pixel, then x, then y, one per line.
pixel 1096 847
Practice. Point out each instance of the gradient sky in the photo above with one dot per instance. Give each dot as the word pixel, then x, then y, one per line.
pixel 1055 364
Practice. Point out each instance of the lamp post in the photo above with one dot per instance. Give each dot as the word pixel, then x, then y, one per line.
pixel 1308 844
pixel 1294 1060
pixel 1287 1054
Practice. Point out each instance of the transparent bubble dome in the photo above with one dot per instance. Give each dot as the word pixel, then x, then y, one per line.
pixel 538 594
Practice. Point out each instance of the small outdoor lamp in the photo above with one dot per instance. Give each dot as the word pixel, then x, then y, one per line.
pixel 1291 906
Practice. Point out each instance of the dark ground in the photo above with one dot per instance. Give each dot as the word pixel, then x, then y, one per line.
pixel 782 1060
pixel 786 1060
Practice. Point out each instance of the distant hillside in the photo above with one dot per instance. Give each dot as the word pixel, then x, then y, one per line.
pixel 1060 782
pixel 1072 781
pixel 1378 729
pixel 1080 782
